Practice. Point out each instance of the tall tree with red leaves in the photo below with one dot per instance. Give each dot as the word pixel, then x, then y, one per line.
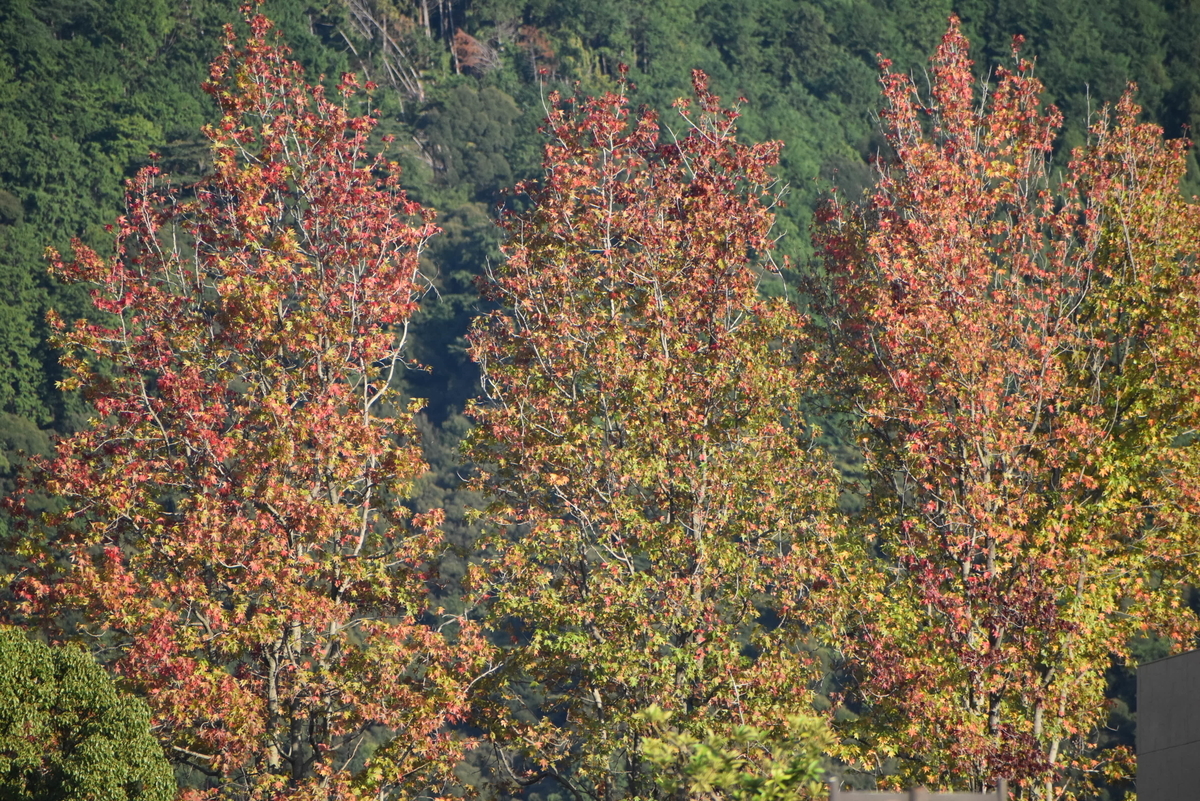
pixel 1023 360
pixel 233 530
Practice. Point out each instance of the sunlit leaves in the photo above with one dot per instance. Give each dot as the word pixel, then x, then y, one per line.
pixel 234 525
pixel 669 522
pixel 1020 374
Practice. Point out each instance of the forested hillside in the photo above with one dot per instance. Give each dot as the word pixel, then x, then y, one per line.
pixel 91 93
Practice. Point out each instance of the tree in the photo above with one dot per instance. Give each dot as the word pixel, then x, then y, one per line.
pixel 669 538
pixel 67 733
pixel 1022 372
pixel 234 530
pixel 717 766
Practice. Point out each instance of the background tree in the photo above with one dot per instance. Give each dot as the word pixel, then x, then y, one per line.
pixel 1021 375
pixel 670 526
pixel 67 733
pixel 233 529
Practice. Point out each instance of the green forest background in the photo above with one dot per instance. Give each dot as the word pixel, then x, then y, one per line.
pixel 89 88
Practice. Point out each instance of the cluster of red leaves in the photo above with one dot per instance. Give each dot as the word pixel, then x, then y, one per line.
pixel 538 48
pixel 473 55
pixel 233 524
pixel 649 453
pixel 1023 375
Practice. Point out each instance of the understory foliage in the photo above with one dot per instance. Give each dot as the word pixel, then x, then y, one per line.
pixel 669 529
pixel 231 528
pixel 1023 360
pixel 66 732
pixel 788 764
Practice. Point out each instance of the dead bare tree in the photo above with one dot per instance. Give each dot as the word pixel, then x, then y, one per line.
pixel 381 22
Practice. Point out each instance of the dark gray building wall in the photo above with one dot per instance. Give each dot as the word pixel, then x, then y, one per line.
pixel 1168 729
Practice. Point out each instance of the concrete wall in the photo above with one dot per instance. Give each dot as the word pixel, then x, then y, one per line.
pixel 1168 729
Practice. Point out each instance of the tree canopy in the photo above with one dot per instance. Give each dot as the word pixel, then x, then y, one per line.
pixel 231 519
pixel 67 733
pixel 1013 353
pixel 643 436
pixel 899 486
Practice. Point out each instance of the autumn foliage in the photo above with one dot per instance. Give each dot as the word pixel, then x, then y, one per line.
pixel 233 531
pixel 669 529
pixel 1022 358
pixel 668 578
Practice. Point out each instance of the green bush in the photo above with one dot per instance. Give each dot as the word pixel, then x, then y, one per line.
pixel 68 734
pixel 747 765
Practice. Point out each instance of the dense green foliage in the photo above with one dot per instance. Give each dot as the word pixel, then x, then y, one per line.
pixel 716 765
pixel 89 91
pixel 68 734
